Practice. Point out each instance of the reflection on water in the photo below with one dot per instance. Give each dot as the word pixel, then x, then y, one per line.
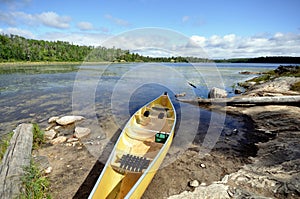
pixel 33 94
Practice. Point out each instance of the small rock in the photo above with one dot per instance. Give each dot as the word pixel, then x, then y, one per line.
pixel 180 94
pixel 194 183
pixel 58 140
pixel 217 93
pixel 228 133
pixel 65 120
pixel 81 132
pixel 50 127
pixel 72 140
pixel 65 130
pixel 56 128
pixel 235 131
pixel 237 91
pixel 53 119
pixel 48 170
pixel 202 165
pixel 49 135
pixel 68 144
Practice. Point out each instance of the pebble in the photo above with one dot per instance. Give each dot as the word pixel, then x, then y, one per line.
pixel 72 140
pixel 202 165
pixel 48 170
pixel 68 144
pixel 235 131
pixel 194 183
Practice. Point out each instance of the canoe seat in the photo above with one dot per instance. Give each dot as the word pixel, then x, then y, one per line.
pixel 130 163
pixel 140 133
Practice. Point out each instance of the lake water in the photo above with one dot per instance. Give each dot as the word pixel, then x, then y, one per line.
pixel 109 94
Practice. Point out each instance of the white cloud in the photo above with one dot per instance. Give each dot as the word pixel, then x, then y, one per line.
pixel 17 31
pixel 50 19
pixel 85 26
pixel 77 38
pixel 231 46
pixel 117 21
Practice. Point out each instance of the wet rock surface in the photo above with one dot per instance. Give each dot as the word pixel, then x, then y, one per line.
pixel 274 171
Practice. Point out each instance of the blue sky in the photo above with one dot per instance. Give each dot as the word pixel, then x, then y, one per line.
pixel 223 29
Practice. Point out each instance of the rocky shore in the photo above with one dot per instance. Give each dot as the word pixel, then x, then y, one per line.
pixel 274 172
pixel 260 158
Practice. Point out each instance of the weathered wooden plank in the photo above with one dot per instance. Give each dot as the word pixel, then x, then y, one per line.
pixel 278 100
pixel 15 159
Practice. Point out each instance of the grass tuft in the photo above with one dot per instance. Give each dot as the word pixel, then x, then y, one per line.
pixel 38 137
pixel 35 184
pixel 4 144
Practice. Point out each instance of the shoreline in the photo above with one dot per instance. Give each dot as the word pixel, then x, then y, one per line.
pixel 50 63
pixel 274 171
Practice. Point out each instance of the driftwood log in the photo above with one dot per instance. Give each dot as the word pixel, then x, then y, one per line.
pixel 16 158
pixel 278 100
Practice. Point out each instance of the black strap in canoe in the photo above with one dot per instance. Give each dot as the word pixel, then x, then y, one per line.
pixel 134 163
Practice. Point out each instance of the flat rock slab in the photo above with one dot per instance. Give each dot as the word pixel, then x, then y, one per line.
pixel 69 119
pixel 16 158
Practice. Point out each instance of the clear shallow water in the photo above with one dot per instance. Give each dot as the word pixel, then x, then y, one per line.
pixel 33 94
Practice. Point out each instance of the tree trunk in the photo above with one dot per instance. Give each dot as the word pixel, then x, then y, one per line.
pixel 281 100
pixel 16 158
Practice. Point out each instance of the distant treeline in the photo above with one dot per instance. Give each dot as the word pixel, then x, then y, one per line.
pixel 17 48
pixel 271 59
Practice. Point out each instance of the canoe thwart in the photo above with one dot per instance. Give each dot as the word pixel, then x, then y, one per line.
pixel 160 108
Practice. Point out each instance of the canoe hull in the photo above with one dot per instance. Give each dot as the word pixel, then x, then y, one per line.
pixel 139 143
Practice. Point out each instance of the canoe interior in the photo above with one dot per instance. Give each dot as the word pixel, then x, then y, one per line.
pixel 140 143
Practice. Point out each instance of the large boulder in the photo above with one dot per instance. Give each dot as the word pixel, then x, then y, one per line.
pixel 65 120
pixel 217 93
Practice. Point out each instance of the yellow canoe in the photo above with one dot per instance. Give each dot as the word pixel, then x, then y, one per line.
pixel 139 151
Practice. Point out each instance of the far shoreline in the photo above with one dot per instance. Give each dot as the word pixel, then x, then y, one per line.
pixel 46 63
pixel 78 63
